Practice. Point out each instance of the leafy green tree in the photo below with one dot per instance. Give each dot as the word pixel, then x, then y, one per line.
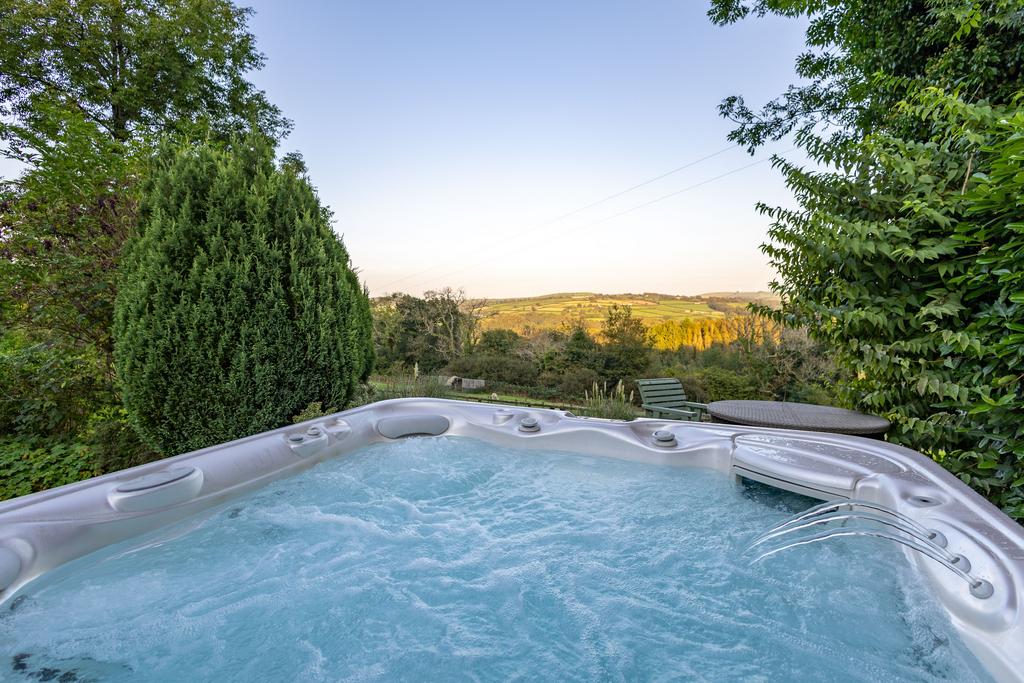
pixel 430 332
pixel 237 304
pixel 974 45
pixel 625 351
pixel 579 351
pixel 131 67
pixel 499 342
pixel 85 87
pixel 990 347
pixel 573 382
pixel 714 383
pixel 496 367
pixel 44 390
pixel 902 252
pixel 62 224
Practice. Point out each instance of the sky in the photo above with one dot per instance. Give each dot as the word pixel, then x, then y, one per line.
pixel 460 142
pixel 450 137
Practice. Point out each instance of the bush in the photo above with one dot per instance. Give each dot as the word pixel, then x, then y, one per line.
pixel 718 384
pixel 237 305
pixel 314 410
pixel 498 342
pixel 113 443
pixel 46 388
pixel 574 382
pixel 28 465
pixel 495 368
pixel 926 315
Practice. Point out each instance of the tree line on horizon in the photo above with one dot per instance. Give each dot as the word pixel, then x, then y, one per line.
pixel 742 357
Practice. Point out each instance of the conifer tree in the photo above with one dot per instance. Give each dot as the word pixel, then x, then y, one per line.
pixel 237 305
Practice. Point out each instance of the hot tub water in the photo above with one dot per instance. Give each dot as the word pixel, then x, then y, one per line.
pixel 453 559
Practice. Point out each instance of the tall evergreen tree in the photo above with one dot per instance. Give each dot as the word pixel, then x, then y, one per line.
pixel 625 350
pixel 237 304
pixel 86 89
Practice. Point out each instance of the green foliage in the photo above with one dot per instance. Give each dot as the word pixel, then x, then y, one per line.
pixel 28 465
pixel 312 411
pixel 112 442
pixel 237 304
pixel 407 386
pixel 625 352
pixel 498 342
pixel 925 313
pixel 951 43
pixel 982 359
pixel 573 382
pixel 609 404
pixel 495 367
pixel 132 67
pixel 85 89
pixel 429 333
pixel 905 254
pixel 44 388
pixel 62 224
pixel 579 351
pixel 785 365
pixel 59 421
pixel 719 384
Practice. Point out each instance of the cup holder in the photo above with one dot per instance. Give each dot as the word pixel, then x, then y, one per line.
pixel 162 488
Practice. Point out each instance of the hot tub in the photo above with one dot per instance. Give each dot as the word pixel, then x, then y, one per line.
pixel 422 539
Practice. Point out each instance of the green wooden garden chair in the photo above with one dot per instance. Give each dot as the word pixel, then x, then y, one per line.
pixel 664 398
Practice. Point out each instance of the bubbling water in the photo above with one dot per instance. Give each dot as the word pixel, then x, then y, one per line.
pixel 453 559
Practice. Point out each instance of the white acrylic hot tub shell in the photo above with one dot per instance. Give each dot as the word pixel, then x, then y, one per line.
pixel 45 530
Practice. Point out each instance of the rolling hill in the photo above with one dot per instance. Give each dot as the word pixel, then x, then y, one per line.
pixel 551 311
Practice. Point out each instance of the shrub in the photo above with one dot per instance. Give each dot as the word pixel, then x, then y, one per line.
pixel 28 465
pixel 112 441
pixel 498 342
pixel 718 384
pixel 495 368
pixel 314 410
pixel 903 251
pixel 45 387
pixel 575 382
pixel 398 386
pixel 237 305
pixel 926 316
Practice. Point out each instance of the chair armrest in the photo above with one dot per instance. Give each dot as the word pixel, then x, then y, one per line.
pixel 687 415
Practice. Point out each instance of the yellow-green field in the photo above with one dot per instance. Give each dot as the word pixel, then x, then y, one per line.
pixel 553 311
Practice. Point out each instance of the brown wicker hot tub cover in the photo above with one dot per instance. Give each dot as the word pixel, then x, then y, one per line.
pixel 798 416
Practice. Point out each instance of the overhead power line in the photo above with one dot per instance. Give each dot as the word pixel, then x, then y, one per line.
pixel 583 226
pixel 569 214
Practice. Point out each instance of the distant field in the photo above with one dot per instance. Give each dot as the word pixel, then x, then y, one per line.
pixel 551 311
